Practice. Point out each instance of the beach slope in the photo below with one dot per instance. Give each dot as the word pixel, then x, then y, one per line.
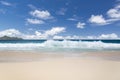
pixel 61 69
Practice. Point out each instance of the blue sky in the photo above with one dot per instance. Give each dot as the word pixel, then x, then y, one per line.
pixel 60 18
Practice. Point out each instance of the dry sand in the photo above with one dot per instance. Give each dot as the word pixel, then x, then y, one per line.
pixel 59 68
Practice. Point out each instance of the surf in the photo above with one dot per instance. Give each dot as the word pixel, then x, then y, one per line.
pixel 56 44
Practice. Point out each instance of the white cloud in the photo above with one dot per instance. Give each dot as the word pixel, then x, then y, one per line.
pixel 58 37
pixel 46 34
pixel 102 36
pixel 91 37
pixel 35 21
pixel 80 25
pixel 37 34
pixel 114 12
pixel 41 14
pixel 54 31
pixel 113 15
pixel 11 33
pixel 72 37
pixel 5 3
pixel 66 37
pixel 98 19
pixel 62 11
pixel 108 36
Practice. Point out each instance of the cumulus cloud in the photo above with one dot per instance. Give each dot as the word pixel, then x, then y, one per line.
pixel 54 31
pixel 91 37
pixel 58 37
pixel 108 36
pixel 46 34
pixel 38 16
pixel 5 3
pixel 37 34
pixel 113 15
pixel 97 19
pixel 11 33
pixel 72 37
pixel 114 12
pixel 102 36
pixel 41 14
pixel 67 37
pixel 35 21
pixel 80 25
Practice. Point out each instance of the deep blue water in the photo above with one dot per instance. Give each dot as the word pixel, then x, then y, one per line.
pixel 22 41
pixel 41 41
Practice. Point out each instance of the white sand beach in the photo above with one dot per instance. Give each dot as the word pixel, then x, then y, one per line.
pixel 59 68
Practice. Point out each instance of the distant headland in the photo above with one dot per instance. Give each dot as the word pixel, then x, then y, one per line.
pixel 10 38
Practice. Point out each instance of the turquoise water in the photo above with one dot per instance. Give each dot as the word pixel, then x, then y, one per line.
pixel 60 45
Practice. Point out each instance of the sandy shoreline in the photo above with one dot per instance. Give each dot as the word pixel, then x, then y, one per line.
pixel 59 67
pixel 23 56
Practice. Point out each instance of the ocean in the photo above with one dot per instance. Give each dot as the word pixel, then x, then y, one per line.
pixel 60 45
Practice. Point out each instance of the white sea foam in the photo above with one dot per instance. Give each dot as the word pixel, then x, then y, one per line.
pixel 80 44
pixel 95 45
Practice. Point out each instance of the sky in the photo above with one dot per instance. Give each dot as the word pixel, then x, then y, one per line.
pixel 58 19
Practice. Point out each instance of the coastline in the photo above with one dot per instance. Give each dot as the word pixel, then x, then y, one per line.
pixel 25 56
pixel 41 66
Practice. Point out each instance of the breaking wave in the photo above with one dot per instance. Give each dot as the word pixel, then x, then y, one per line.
pixel 65 44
